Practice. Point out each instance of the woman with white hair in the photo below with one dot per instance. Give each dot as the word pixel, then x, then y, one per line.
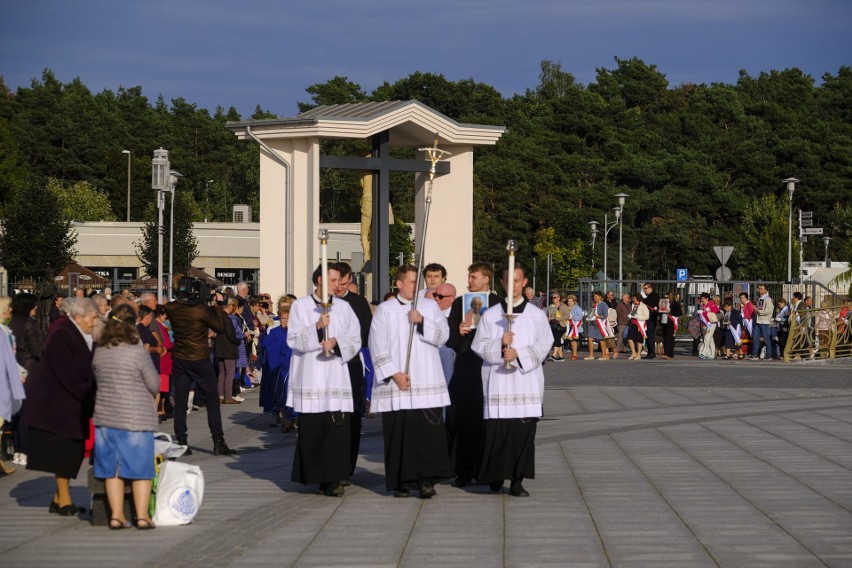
pixel 60 395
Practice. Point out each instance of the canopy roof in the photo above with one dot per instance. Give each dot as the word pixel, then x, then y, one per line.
pixel 411 123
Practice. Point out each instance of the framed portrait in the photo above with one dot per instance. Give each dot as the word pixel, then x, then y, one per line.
pixel 474 305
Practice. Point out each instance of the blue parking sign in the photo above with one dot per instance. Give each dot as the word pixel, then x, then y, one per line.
pixel 682 274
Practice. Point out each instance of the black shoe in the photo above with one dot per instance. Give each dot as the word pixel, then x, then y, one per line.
pixel 495 486
pixel 517 490
pixel 70 510
pixel 427 490
pixel 183 442
pixel 649 357
pixel 332 489
pixel 461 481
pixel 220 448
pixel 400 493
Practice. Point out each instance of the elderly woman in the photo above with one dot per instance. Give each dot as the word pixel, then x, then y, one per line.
pixel 575 324
pixel 59 402
pixel 599 329
pixel 557 316
pixel 125 416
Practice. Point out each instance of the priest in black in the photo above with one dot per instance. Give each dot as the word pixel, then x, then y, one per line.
pixel 362 310
pixel 465 428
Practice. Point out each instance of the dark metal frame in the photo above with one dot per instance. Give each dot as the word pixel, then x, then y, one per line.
pixel 381 164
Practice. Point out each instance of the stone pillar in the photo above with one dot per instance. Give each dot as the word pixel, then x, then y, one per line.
pixel 303 156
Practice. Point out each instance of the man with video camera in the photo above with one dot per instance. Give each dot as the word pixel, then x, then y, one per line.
pixel 191 319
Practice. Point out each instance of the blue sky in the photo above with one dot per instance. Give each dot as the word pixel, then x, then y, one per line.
pixel 266 52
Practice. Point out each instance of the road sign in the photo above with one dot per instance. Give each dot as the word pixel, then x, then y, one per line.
pixel 806 214
pixel 812 231
pixel 723 274
pixel 682 274
pixel 723 254
pixel 807 222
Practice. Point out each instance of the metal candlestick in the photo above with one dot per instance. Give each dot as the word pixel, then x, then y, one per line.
pixel 509 317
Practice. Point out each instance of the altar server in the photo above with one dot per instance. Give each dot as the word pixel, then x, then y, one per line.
pixel 513 387
pixel 324 336
pixel 411 403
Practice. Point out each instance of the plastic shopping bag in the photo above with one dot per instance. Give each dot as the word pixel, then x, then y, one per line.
pixel 180 491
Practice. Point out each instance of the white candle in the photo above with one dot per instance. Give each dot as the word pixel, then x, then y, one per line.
pixel 511 285
pixel 324 261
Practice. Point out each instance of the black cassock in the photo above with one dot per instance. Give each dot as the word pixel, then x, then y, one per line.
pixel 361 307
pixel 465 427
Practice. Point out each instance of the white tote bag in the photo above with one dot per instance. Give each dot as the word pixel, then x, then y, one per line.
pixel 180 490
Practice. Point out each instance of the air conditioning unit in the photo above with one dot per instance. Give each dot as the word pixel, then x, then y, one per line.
pixel 242 214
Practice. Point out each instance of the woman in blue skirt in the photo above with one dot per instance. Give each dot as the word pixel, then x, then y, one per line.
pixel 125 416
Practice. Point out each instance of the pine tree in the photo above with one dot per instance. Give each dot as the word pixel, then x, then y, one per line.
pixel 186 245
pixel 35 239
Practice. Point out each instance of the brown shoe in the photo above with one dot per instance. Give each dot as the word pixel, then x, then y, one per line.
pixel 231 401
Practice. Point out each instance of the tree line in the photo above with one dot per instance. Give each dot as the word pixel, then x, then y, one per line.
pixel 702 164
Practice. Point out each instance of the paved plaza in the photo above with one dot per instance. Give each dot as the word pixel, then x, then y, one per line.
pixel 653 463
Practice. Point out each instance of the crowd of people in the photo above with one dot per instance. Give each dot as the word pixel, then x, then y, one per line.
pixel 104 372
pixel 645 324
pixel 456 377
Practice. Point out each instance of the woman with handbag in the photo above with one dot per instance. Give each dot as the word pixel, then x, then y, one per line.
pixel 125 416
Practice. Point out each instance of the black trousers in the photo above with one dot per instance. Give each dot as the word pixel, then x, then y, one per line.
pixel 356 378
pixel 668 338
pixel 652 336
pixel 204 375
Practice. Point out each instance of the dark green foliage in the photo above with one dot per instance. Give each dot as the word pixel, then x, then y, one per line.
pixel 186 245
pixel 692 158
pixel 34 237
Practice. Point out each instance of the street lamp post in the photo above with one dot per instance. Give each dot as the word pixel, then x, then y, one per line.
pixel 826 240
pixel 621 198
pixel 173 179
pixel 160 172
pixel 593 225
pixel 791 187
pixel 128 183
pixel 206 200
pixel 607 227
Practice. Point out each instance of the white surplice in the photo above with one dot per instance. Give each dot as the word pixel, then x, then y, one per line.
pixel 319 383
pixel 516 392
pixel 388 346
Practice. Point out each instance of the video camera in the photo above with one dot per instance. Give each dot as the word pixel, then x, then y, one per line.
pixel 193 289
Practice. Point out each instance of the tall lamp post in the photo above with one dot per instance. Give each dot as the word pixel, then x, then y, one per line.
pixel 621 198
pixel 826 240
pixel 593 225
pixel 160 172
pixel 128 183
pixel 206 200
pixel 791 187
pixel 173 179
pixel 607 227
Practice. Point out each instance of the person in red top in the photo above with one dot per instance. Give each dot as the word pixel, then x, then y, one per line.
pixel 165 361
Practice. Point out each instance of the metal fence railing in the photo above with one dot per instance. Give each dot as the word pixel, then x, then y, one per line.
pixel 821 333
